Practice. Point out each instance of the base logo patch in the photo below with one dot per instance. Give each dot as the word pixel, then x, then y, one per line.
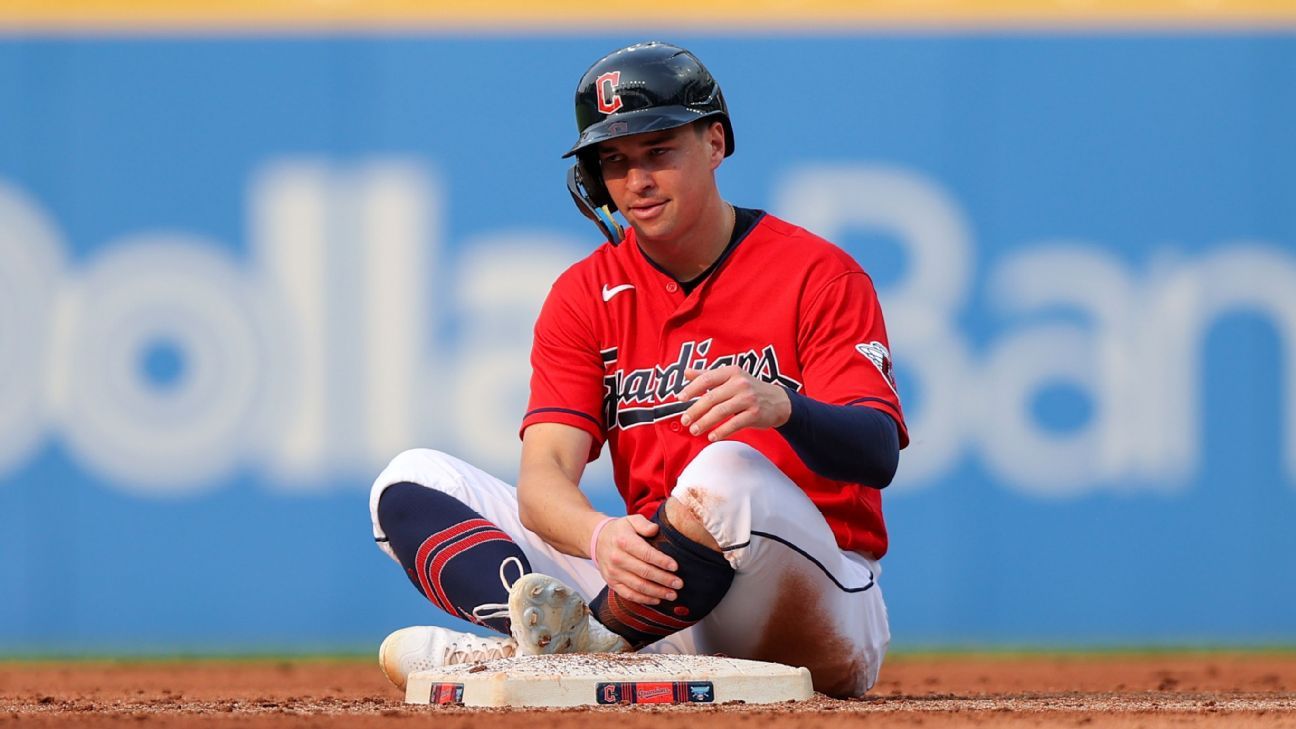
pixel 446 693
pixel 655 692
pixel 877 353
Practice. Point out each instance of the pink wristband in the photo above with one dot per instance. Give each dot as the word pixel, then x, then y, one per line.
pixel 593 550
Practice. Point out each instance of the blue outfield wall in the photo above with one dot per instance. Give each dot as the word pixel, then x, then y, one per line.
pixel 238 275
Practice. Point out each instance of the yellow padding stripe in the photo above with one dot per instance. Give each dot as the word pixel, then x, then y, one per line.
pixel 547 16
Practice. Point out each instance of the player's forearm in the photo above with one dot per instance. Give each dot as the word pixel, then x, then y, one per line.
pixel 552 506
pixel 844 443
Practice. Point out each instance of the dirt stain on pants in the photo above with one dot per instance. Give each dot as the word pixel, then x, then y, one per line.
pixel 800 632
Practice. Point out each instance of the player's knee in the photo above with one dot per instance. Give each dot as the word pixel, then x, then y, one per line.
pixel 424 466
pixel 689 524
pixel 722 484
pixel 420 459
pixel 724 472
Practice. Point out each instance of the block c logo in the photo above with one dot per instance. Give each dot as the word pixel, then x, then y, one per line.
pixel 608 98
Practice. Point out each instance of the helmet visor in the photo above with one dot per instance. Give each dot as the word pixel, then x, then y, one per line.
pixel 655 119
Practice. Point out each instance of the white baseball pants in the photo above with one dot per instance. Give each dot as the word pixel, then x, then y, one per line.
pixel 796 597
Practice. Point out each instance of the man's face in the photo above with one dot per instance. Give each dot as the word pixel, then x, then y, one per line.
pixel 661 180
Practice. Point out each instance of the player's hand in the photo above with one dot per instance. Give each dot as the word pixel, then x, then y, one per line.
pixel 632 567
pixel 728 400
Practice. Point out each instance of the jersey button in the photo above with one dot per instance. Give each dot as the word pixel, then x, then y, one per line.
pixel 672 287
pixel 675 426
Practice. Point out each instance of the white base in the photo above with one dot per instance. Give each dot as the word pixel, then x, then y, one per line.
pixel 605 678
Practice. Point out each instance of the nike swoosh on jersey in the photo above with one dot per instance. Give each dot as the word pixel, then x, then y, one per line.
pixel 608 293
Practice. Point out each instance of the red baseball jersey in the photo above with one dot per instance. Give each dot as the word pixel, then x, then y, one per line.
pixel 616 333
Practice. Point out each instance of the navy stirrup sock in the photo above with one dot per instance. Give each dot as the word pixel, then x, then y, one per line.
pixel 450 552
pixel 706 575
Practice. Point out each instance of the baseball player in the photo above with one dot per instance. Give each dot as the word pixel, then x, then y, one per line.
pixel 737 368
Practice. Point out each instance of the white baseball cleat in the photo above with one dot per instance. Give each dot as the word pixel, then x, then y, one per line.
pixel 423 647
pixel 549 617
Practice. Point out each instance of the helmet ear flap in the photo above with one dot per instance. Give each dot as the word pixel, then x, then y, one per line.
pixel 591 178
pixel 592 199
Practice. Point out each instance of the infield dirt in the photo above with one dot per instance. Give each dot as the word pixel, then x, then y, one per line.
pixel 1118 691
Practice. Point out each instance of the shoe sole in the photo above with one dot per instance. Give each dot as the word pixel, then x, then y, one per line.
pixel 546 615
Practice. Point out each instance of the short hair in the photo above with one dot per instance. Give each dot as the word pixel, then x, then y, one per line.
pixel 701 126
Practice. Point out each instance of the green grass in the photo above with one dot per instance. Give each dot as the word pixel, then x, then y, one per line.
pixel 186 657
pixel 898 654
pixel 1121 651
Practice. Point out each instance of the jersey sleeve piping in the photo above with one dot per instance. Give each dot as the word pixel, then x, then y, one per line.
pixel 597 423
pixel 874 401
pixel 572 419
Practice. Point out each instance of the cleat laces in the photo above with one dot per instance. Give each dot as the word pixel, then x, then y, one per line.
pixel 490 610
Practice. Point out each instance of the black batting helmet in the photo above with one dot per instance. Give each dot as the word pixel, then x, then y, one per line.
pixel 646 87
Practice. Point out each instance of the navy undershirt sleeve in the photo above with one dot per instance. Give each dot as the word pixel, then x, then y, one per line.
pixel 852 443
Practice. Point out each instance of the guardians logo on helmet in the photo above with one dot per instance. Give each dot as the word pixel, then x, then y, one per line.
pixel 608 99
